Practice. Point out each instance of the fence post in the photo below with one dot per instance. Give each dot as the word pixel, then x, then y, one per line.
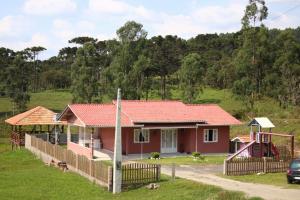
pixel 110 179
pixel 158 172
pixel 76 162
pixel 225 167
pixel 173 171
pixel 91 174
pixel 265 164
pixel 65 155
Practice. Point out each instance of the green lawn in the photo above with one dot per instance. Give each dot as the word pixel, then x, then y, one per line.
pixel 186 160
pixel 277 179
pixel 25 177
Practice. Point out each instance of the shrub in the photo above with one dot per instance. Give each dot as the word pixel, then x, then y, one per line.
pixel 197 155
pixel 155 155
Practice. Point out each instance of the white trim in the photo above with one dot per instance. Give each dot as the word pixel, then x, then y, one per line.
pixel 215 134
pixel 144 132
pixel 168 127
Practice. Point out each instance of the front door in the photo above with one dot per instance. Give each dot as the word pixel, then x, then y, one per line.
pixel 168 141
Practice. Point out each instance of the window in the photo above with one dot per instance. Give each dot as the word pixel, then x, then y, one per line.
pixel 210 135
pixel 141 135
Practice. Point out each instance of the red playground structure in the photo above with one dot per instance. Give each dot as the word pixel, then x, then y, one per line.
pixel 261 143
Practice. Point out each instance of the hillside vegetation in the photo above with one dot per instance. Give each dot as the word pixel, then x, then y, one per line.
pixel 286 120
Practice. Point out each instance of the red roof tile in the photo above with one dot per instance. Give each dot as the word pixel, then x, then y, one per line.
pixel 213 114
pixel 159 112
pixel 139 112
pixel 242 138
pixel 98 115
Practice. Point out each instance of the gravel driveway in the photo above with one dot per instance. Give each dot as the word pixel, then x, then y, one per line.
pixel 206 175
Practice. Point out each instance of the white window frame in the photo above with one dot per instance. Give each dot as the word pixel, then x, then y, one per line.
pixel 144 132
pixel 206 135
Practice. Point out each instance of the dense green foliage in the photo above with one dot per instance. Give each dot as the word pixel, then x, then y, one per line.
pixel 17 83
pixel 25 177
pixel 254 62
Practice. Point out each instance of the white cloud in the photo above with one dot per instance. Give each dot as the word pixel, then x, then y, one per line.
pixel 118 8
pixel 205 19
pixel 49 7
pixel 108 6
pixel 37 39
pixel 283 21
pixel 64 30
pixel 12 26
pixel 181 25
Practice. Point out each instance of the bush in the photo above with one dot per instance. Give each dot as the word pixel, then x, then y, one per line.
pixel 155 155
pixel 197 155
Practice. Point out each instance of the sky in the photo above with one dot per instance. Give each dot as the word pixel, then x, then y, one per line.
pixel 51 23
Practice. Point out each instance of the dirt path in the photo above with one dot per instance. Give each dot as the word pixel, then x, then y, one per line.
pixel 267 192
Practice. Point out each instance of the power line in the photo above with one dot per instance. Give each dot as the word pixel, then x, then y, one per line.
pixel 287 11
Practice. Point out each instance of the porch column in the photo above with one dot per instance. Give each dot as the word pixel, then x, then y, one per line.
pixel 196 149
pixel 92 142
pixel 84 130
pixel 56 136
pixel 69 134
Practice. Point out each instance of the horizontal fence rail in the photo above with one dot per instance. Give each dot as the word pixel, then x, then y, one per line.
pixel 252 165
pixel 135 174
pixel 95 169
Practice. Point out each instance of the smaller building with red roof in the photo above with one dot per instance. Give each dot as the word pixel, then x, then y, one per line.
pixel 149 126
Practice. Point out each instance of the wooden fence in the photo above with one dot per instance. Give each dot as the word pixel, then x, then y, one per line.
pixel 133 174
pixel 243 166
pixel 95 169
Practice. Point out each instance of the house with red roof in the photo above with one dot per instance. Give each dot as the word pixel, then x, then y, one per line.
pixel 149 126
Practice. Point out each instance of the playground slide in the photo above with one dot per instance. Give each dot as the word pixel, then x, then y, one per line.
pixel 241 150
pixel 275 151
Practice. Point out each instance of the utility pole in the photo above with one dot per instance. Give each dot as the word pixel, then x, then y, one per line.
pixel 117 169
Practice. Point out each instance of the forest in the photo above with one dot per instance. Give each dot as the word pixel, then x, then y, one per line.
pixel 253 62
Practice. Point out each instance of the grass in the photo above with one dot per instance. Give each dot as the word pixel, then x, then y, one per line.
pixel 24 177
pixel 277 179
pixel 186 160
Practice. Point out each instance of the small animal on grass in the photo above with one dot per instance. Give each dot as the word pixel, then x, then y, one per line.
pixel 152 186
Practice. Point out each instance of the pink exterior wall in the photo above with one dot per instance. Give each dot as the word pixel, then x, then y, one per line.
pixel 152 146
pixel 186 141
pixel 107 137
pixel 78 149
pixel 222 146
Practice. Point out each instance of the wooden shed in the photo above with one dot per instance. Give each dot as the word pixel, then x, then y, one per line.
pixel 36 119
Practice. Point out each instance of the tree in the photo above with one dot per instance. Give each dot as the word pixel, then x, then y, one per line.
pixel 256 11
pixel 131 31
pixel 32 54
pixel 84 74
pixel 140 74
pixel 252 57
pixel 191 76
pixel 287 63
pixel 165 55
pixel 132 40
pixel 82 40
pixel 17 76
pixel 6 58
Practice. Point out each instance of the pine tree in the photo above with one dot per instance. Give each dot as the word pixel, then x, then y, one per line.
pixel 84 74
pixel 191 76
pixel 18 83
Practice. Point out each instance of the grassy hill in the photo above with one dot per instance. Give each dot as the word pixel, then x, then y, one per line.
pixel 285 120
